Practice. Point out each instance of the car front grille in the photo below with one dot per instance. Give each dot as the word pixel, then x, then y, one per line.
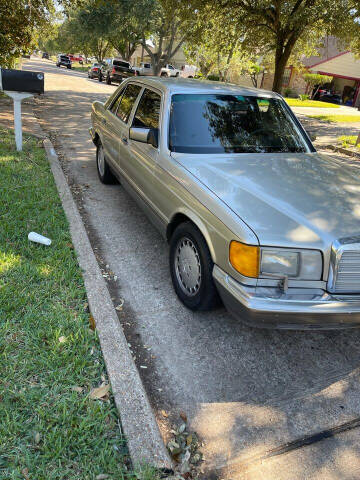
pixel 347 277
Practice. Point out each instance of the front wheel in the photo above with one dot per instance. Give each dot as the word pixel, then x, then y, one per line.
pixel 100 77
pixel 108 80
pixel 191 268
pixel 105 174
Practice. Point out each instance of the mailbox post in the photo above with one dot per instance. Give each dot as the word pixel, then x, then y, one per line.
pixel 20 84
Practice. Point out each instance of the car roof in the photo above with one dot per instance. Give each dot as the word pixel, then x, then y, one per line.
pixel 189 85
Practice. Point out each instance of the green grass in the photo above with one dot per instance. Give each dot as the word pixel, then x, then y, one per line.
pixel 337 118
pixel 348 141
pixel 80 68
pixel 48 429
pixel 296 102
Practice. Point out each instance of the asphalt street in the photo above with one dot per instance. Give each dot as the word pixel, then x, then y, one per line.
pixel 247 392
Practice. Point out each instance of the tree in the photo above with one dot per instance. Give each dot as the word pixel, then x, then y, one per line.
pixel 170 24
pixel 20 21
pixel 277 26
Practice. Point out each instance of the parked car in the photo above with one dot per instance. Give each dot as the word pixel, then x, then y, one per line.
pixel 63 60
pixel 94 70
pixel 331 98
pixel 115 69
pixel 252 212
pixel 76 58
pixel 188 71
pixel 45 55
pixel 168 70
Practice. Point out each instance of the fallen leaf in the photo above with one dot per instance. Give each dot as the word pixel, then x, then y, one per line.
pixel 77 389
pixel 102 476
pixel 62 339
pixel 183 416
pixel 100 392
pixel 25 472
pixel 37 438
pixel 92 322
pixel 189 440
pixel 164 414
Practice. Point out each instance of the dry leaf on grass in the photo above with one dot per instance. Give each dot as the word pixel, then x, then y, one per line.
pixel 77 389
pixel 92 322
pixel 62 339
pixel 164 414
pixel 37 438
pixel 102 476
pixel 25 472
pixel 101 392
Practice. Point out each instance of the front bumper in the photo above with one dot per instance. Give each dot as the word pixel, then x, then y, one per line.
pixel 270 308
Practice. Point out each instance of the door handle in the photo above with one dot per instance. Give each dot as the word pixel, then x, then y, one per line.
pixel 124 141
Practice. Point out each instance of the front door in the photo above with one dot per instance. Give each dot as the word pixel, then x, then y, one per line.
pixel 139 163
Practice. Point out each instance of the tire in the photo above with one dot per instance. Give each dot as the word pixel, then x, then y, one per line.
pixel 68 67
pixel 164 74
pixel 177 74
pixel 108 79
pixel 191 268
pixel 100 77
pixel 105 174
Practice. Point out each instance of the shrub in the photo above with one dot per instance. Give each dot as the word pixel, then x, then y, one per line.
pixel 304 97
pixel 215 78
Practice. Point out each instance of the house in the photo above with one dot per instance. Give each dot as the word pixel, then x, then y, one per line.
pixel 338 63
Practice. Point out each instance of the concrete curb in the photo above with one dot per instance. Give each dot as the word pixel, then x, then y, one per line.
pixel 345 151
pixel 138 420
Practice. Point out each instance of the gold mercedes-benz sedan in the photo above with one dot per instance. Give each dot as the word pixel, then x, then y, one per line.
pixel 253 214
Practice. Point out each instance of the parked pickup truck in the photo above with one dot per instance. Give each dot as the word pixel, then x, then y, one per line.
pixel 115 70
pixel 167 71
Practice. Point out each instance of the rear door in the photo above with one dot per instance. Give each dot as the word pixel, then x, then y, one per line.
pixel 109 127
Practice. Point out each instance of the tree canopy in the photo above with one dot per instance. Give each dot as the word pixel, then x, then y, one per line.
pixel 20 22
pixel 277 27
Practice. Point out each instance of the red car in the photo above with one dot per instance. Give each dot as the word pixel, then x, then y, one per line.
pixel 76 58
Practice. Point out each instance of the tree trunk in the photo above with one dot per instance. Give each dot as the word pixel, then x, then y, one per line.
pixel 281 59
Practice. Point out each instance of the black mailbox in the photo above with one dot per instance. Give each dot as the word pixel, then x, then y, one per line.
pixel 21 81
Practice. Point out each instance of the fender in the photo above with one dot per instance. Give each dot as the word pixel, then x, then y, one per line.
pixel 200 225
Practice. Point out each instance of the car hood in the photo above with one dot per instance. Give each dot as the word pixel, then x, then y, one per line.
pixel 305 199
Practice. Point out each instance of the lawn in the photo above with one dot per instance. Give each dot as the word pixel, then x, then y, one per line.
pixel 337 118
pixel 348 141
pixel 80 68
pixel 296 102
pixel 50 360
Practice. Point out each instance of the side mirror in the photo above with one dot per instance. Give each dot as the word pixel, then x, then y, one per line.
pixel 145 135
pixel 312 135
pixel 153 137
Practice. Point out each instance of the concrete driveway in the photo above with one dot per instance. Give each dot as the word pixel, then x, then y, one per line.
pixel 255 397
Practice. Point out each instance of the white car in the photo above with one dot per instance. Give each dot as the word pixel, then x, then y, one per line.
pixel 188 71
pixel 167 71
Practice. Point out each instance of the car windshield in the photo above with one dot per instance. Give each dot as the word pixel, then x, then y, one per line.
pixel 227 123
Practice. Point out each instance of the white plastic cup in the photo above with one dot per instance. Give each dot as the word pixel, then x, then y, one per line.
pixel 37 238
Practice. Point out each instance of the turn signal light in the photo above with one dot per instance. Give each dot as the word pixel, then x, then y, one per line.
pixel 245 258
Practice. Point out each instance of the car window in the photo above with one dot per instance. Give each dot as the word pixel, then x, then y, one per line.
pixel 115 103
pixel 119 63
pixel 127 101
pixel 230 123
pixel 148 111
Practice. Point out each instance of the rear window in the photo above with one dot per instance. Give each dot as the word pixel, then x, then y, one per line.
pixel 227 123
pixel 119 63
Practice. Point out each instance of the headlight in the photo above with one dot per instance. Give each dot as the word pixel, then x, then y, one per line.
pixel 253 261
pixel 277 262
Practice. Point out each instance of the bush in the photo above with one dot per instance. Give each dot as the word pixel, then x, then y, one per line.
pixel 215 78
pixel 304 97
